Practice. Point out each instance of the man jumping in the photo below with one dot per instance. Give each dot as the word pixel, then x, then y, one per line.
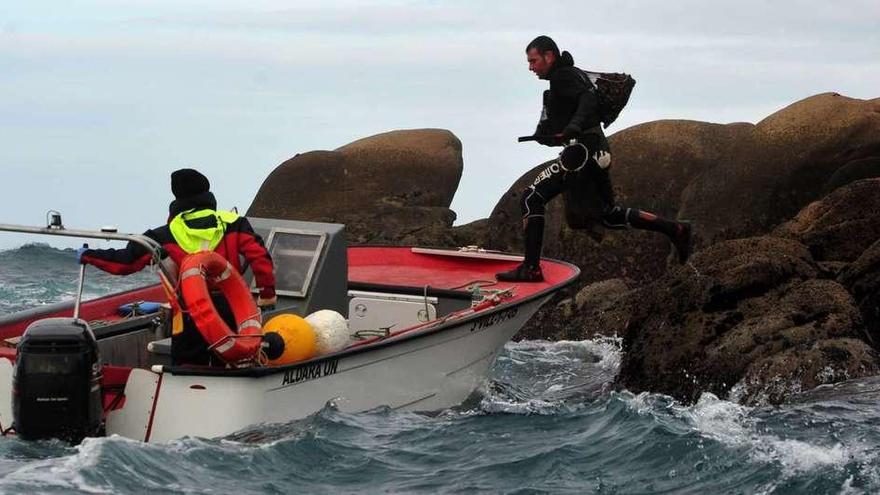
pixel 570 118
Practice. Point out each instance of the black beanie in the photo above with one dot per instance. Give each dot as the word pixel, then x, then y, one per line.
pixel 187 182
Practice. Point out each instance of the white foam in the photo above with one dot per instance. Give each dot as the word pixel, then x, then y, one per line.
pixel 642 404
pixel 63 472
pixel 528 407
pixel 550 374
pixel 721 420
pixel 607 349
pixel 796 456
pixel 733 425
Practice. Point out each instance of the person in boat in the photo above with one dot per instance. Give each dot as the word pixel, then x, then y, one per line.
pixel 194 224
pixel 570 118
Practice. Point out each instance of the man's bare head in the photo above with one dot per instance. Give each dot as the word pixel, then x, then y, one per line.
pixel 541 54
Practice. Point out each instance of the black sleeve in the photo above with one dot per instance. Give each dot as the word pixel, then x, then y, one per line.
pixel 541 129
pixel 132 258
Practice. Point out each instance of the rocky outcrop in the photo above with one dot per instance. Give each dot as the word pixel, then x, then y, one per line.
pixel 601 308
pixel 784 375
pixel 394 187
pixel 788 160
pixel 655 162
pixel 864 168
pixel 841 225
pixel 471 234
pixel 862 279
pixel 742 311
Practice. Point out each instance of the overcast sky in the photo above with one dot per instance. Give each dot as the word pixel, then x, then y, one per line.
pixel 101 100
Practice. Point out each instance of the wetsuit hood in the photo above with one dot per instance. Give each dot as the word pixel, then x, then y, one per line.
pixel 565 60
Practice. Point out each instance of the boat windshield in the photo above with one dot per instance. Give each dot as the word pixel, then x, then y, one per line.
pixel 295 254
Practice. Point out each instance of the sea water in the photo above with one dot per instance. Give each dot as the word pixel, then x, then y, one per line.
pixel 548 420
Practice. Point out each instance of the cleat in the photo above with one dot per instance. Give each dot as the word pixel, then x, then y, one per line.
pixel 521 273
pixel 683 241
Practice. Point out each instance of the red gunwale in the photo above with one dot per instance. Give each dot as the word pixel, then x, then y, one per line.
pixel 102 308
pixel 400 266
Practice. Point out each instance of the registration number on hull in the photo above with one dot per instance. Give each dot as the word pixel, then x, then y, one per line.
pixel 492 320
pixel 310 372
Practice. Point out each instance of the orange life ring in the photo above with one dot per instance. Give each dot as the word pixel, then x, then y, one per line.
pixel 200 270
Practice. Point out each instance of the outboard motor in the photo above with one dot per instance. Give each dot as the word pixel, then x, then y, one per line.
pixel 56 386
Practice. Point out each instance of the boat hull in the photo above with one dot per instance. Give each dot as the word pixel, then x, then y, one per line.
pixel 425 371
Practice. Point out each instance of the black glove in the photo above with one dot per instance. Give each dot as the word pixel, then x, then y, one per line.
pixel 79 254
pixel 570 132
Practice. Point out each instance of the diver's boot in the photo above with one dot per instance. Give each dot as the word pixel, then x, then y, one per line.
pixel 683 241
pixel 677 232
pixel 645 220
pixel 530 269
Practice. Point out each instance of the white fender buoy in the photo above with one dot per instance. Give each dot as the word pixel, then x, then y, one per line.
pixel 331 331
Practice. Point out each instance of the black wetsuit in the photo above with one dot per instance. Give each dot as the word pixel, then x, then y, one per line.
pixel 571 107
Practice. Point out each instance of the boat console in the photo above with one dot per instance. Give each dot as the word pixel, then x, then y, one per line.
pixel 311 264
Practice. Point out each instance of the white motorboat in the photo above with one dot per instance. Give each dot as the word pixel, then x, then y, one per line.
pixel 426 325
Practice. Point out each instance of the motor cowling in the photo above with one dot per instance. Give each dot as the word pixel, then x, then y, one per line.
pixel 57 381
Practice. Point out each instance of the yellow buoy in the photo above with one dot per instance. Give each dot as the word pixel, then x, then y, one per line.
pixel 290 339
